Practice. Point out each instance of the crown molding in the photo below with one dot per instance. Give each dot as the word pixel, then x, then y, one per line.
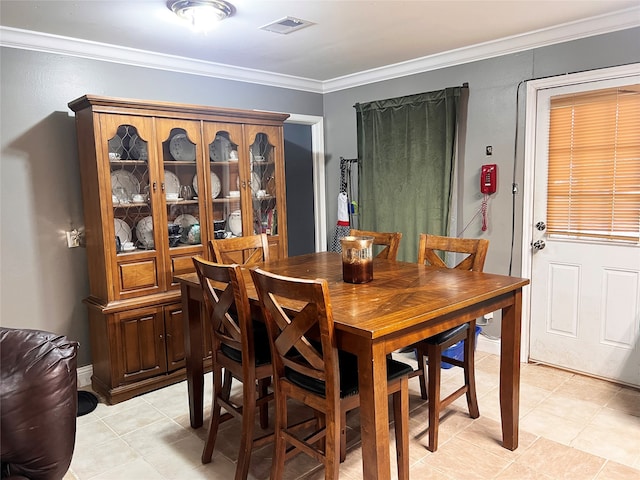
pixel 29 40
pixel 621 20
pixel 44 42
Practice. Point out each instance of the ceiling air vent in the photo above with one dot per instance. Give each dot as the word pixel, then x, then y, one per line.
pixel 286 25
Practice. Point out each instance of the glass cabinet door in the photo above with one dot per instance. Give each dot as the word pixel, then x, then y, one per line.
pixel 225 156
pixel 128 153
pixel 262 180
pixel 181 188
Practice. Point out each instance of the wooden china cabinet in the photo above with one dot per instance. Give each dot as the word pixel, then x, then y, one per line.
pixel 159 180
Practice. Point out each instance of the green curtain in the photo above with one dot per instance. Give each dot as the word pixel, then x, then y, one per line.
pixel 406 150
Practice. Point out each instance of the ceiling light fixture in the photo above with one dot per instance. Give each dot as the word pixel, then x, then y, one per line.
pixel 201 15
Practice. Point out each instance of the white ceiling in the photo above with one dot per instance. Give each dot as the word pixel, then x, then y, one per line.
pixel 350 39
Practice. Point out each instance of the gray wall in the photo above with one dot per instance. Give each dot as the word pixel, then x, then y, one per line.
pixel 491 121
pixel 42 282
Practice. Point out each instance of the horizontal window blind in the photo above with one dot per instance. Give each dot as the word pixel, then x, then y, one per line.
pixel 594 164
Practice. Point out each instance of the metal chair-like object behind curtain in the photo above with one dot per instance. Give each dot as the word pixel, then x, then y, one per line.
pixel 347 204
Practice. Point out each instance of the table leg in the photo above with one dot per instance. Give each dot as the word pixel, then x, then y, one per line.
pixel 193 351
pixel 510 371
pixel 374 415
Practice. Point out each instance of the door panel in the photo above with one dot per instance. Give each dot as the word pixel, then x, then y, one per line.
pixel 619 283
pixel 564 289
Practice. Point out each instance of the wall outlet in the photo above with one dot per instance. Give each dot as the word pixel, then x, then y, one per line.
pixel 73 238
pixel 485 320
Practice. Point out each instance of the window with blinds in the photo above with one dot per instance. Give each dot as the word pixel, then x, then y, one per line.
pixel 594 164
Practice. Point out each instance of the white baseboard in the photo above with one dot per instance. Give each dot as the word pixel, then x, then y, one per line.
pixel 488 345
pixel 84 376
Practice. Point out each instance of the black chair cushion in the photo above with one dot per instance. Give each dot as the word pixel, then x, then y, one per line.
pixel 446 335
pixel 260 344
pixel 348 375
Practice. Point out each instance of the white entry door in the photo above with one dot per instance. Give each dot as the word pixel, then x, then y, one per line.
pixel 585 294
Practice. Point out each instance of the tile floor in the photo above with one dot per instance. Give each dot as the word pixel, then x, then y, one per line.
pixel 572 427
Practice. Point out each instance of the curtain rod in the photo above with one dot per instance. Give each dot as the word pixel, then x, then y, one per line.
pixel 464 85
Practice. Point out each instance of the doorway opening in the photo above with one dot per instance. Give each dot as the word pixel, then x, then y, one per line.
pixel 316 124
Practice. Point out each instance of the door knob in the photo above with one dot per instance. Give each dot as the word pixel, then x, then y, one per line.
pixel 540 226
pixel 538 245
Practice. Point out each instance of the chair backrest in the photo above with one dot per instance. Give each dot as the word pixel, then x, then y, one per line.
pixel 227 306
pixel 297 313
pixel 390 240
pixel 249 250
pixel 476 250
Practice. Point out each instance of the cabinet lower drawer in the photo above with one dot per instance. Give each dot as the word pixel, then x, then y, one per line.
pixel 139 277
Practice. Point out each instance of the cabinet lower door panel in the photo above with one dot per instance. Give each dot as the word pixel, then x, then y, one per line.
pixel 141 337
pixel 174 337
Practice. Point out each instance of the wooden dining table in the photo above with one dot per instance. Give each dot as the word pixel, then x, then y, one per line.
pixel 405 302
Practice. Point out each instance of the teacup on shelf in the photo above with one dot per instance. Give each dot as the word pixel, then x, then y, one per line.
pixel 128 246
pixel 172 196
pixel 121 194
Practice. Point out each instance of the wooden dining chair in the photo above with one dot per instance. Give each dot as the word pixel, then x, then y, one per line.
pixel 249 250
pixel 308 367
pixel 240 350
pixel 430 350
pixel 389 240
